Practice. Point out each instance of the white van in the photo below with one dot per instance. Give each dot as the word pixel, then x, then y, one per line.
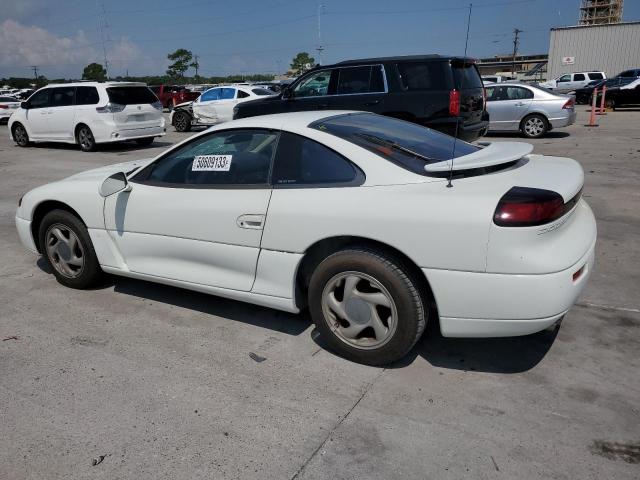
pixel 570 81
pixel 89 113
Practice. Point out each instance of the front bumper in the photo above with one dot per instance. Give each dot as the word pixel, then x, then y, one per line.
pixel 473 304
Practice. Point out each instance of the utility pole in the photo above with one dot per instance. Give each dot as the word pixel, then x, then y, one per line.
pixel 103 27
pixel 195 64
pixel 516 42
pixel 35 72
pixel 320 48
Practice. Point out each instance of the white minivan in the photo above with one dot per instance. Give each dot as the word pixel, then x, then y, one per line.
pixel 570 81
pixel 89 113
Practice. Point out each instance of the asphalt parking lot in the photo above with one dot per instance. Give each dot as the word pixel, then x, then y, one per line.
pixel 166 383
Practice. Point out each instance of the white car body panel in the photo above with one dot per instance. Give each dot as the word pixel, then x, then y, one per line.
pixel 58 124
pixel 487 280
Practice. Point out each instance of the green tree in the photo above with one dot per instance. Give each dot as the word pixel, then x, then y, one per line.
pixel 181 59
pixel 301 61
pixel 94 71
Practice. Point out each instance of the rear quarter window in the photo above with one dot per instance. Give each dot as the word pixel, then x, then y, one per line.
pixel 131 95
pixel 466 76
pixel 417 76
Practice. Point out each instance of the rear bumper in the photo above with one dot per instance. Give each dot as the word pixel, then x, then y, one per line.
pixel 565 121
pixel 120 134
pixel 24 233
pixel 473 304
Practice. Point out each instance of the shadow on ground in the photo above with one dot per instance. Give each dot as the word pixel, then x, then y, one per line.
pixel 549 135
pixel 103 147
pixel 495 355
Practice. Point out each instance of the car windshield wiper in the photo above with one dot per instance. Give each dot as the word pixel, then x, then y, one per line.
pixel 391 144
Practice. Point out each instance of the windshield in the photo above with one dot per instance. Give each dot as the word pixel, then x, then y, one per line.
pixel 131 95
pixel 406 144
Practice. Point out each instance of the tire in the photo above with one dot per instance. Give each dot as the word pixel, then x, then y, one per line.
pixel 534 126
pixel 144 142
pixel 20 135
pixel 610 103
pixel 68 251
pixel 356 332
pixel 182 121
pixel 85 139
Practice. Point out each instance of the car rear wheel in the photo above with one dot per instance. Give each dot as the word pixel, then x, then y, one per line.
pixel 85 139
pixel 182 121
pixel 143 142
pixel 68 251
pixel 610 103
pixel 534 126
pixel 367 306
pixel 20 135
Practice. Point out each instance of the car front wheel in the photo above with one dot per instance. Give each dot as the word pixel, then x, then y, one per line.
pixel 68 251
pixel 367 306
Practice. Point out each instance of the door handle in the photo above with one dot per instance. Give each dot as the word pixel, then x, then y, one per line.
pixel 323 105
pixel 372 103
pixel 519 104
pixel 252 222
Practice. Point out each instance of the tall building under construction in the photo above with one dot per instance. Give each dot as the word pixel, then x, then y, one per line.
pixel 600 12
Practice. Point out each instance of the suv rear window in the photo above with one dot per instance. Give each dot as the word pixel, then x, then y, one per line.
pixel 595 76
pixel 424 76
pixel 131 95
pixel 466 76
pixel 406 144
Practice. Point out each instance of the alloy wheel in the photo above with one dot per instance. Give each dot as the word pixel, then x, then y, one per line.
pixel 64 250
pixel 20 135
pixel 85 138
pixel 359 310
pixel 534 126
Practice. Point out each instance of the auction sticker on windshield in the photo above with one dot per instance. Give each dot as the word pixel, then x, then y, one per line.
pixel 211 163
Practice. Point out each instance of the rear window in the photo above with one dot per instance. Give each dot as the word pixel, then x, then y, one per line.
pixel 424 76
pixel 406 144
pixel 7 99
pixel 131 95
pixel 261 91
pixel 466 76
pixel 595 76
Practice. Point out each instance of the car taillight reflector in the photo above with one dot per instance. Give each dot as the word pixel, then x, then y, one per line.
pixel 569 103
pixel 577 274
pixel 454 103
pixel 529 207
pixel 4 106
pixel 110 108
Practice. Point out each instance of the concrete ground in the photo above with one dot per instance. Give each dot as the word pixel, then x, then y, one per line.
pixel 166 383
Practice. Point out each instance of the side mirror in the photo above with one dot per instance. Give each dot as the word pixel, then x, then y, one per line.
pixel 114 184
pixel 287 93
pixel 25 105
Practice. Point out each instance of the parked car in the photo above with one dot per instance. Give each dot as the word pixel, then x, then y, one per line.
pixel 584 95
pixel 532 111
pixel 633 73
pixel 570 81
pixel 443 93
pixel 622 95
pixel 495 79
pixel 344 212
pixel 172 95
pixel 89 113
pixel 7 106
pixel 213 106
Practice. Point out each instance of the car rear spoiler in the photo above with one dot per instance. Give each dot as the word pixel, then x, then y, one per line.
pixel 491 153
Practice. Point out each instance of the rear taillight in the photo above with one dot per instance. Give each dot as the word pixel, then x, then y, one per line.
pixel 529 207
pixel 110 108
pixel 569 103
pixel 4 106
pixel 454 103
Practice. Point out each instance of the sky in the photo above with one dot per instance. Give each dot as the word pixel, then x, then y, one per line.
pixel 60 37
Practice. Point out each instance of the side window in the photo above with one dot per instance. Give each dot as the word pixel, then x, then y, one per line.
pixel 213 94
pixel 353 80
pixel 565 78
pixel 40 99
pixel 627 73
pixel 492 94
pixel 578 77
pixel 315 85
pixel 518 93
pixel 595 76
pixel 302 161
pixel 87 96
pixel 423 76
pixel 242 94
pixel 227 93
pixel 232 157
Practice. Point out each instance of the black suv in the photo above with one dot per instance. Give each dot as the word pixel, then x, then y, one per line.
pixel 431 90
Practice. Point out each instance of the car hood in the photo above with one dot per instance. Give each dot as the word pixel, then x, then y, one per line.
pixel 103 172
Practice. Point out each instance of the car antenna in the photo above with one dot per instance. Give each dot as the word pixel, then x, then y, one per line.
pixel 455 138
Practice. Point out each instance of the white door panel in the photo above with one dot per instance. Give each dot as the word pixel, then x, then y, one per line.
pixel 61 122
pixel 37 121
pixel 193 234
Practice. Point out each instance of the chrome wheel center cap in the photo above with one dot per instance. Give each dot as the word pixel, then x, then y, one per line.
pixel 358 310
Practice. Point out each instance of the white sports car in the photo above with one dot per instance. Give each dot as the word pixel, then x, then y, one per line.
pixel 350 214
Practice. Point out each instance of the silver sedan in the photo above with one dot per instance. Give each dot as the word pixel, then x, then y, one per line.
pixel 531 110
